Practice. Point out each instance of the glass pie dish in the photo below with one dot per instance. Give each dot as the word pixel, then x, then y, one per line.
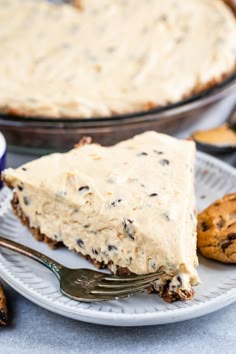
pixel 42 135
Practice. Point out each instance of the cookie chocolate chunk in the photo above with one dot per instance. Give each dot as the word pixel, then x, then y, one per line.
pixel 217 230
pixel 3 308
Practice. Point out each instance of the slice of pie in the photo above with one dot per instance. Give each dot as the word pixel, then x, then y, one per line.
pixel 130 207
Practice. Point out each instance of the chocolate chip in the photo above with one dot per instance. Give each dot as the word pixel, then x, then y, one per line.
pixel 158 152
pixel 164 162
pixel 152 264
pixel 128 228
pixel 166 216
pixel 20 188
pixel 24 169
pixel 116 202
pixel 15 201
pixel 220 223
pixel 143 154
pixel 112 248
pixel 205 226
pixel 179 280
pixel 166 286
pixel 229 226
pixel 94 251
pixel 153 195
pixel 26 200
pixel 83 189
pixel 80 242
pixel 216 204
pixel 232 236
pixel 226 245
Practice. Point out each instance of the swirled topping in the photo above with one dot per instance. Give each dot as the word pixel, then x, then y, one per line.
pixel 110 56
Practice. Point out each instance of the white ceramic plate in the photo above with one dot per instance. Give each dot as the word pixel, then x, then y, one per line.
pixel 218 288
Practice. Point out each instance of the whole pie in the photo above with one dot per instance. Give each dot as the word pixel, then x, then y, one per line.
pixel 130 207
pixel 107 57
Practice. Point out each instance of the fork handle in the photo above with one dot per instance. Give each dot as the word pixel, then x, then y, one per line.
pixel 48 262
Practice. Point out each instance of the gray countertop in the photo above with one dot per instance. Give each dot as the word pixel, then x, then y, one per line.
pixel 35 330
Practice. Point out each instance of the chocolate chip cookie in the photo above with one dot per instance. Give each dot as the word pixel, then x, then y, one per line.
pixel 217 230
pixel 3 307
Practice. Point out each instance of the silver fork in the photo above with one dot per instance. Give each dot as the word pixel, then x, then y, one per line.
pixel 85 284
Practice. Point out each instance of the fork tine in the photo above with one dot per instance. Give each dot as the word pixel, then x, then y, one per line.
pixel 117 292
pixel 123 285
pixel 129 278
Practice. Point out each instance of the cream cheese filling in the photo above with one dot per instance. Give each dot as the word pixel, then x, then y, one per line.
pixel 113 56
pixel 81 233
